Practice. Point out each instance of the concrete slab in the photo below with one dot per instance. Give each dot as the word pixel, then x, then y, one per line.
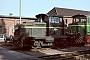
pixel 45 53
pixel 6 54
pixel 41 53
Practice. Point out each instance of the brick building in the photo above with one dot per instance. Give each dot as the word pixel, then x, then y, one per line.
pixel 7 23
pixel 67 13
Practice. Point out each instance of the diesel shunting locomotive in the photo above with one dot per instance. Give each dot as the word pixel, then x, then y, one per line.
pixel 81 24
pixel 40 33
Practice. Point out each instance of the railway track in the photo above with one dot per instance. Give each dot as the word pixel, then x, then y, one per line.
pixel 80 55
pixel 77 53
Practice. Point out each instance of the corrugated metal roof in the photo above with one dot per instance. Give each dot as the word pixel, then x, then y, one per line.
pixel 17 17
pixel 67 12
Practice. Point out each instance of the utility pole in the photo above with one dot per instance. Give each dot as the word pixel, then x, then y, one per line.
pixel 20 11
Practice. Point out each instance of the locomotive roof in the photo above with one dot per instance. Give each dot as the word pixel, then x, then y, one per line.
pixel 16 17
pixel 31 23
pixel 37 16
pixel 78 15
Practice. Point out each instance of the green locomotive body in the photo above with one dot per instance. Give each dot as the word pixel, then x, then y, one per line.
pixel 32 33
pixel 80 25
pixel 33 29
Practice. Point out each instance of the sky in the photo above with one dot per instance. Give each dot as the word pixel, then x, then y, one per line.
pixel 30 8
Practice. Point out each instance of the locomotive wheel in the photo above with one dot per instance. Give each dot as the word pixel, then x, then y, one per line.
pixel 11 40
pixel 37 44
pixel 21 45
pixel 5 40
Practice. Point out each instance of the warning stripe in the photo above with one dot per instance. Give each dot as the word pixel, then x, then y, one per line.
pixel 79 40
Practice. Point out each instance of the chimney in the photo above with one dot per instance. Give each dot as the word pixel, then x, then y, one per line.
pixel 10 14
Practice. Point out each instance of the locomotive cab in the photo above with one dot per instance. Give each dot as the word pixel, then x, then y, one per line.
pixel 53 24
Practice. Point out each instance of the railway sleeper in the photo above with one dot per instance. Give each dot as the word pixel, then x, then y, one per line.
pixel 81 54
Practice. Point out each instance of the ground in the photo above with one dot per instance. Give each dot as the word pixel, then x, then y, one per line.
pixel 9 52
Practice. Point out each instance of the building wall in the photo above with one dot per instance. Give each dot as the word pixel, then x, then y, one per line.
pixel 52 12
pixel 69 20
pixel 7 25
